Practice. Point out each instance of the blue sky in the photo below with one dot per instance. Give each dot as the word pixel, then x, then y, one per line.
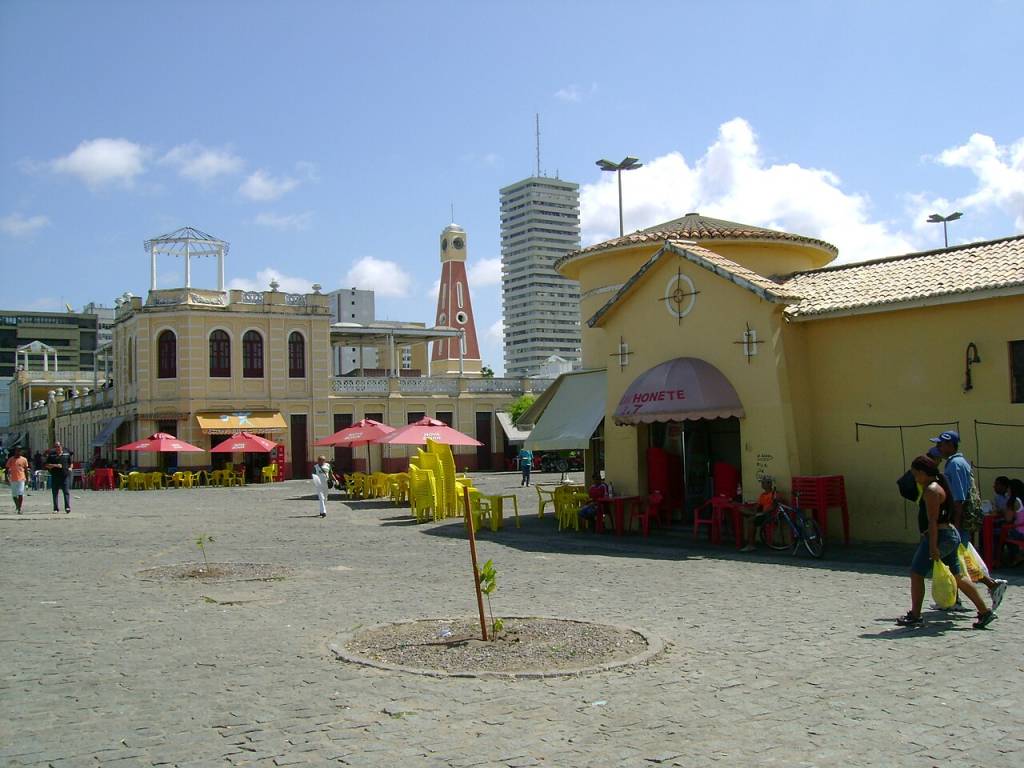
pixel 326 140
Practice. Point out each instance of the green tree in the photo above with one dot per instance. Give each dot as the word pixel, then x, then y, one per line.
pixel 519 406
pixel 487 372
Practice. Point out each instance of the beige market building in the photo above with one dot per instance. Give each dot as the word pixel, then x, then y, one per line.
pixel 712 341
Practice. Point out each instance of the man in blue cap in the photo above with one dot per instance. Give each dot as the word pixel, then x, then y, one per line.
pixel 960 477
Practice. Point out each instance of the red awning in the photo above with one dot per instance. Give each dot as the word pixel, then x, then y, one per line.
pixel 679 390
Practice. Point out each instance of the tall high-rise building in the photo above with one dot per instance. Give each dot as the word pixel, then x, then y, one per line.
pixel 540 223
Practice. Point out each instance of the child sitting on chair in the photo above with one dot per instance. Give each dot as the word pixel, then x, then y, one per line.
pixel 753 519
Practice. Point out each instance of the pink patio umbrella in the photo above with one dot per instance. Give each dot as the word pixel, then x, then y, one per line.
pixel 160 442
pixel 426 428
pixel 363 432
pixel 245 442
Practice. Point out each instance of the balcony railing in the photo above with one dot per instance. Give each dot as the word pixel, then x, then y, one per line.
pixel 359 385
pixel 513 386
pixel 429 386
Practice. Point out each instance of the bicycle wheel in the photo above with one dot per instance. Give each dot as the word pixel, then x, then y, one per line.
pixel 776 533
pixel 811 537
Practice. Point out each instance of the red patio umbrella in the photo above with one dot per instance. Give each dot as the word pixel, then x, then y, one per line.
pixel 160 442
pixel 246 442
pixel 418 432
pixel 363 432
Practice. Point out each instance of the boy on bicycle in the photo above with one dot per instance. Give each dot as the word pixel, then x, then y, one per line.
pixel 753 519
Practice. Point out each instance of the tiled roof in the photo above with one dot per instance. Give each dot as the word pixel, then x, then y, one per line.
pixel 693 226
pixel 764 287
pixel 929 275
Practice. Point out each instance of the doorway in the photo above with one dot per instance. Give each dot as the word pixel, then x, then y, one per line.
pixel 698 446
pixel 342 454
pixel 484 453
pixel 300 458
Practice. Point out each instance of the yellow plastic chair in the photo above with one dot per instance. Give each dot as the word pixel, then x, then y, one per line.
pixel 422 497
pixel 545 496
pixel 122 481
pixel 190 479
pixel 269 473
pixel 568 501
pixel 136 481
pixel 154 481
pixel 177 479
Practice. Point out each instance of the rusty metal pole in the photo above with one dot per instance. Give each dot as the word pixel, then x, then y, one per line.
pixel 476 572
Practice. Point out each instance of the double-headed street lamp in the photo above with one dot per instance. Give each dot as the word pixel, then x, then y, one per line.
pixel 936 218
pixel 627 164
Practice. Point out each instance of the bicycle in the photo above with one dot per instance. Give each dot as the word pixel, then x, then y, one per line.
pixel 788 527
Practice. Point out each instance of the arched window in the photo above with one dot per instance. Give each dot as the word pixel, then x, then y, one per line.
pixel 252 355
pixel 167 355
pixel 220 354
pixel 296 356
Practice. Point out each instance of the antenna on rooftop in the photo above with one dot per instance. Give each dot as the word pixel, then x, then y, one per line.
pixel 452 221
pixel 537 117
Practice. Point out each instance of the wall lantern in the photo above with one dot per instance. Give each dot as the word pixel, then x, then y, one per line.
pixel 971 357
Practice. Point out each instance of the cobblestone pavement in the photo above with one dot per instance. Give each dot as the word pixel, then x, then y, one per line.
pixel 773 660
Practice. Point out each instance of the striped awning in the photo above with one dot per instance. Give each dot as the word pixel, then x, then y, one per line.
pixel 259 422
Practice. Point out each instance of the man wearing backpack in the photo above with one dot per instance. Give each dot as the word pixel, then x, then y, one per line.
pixel 966 501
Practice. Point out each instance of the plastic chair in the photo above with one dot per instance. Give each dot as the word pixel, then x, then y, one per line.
pixel 710 513
pixel 268 474
pixel 545 495
pixel 568 501
pixel 648 511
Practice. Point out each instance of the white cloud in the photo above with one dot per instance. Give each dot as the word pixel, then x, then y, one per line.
pixel 573 93
pixel 732 181
pixel 484 272
pixel 288 283
pixel 261 186
pixel 203 164
pixel 999 171
pixel 285 222
pixel 383 277
pixel 103 161
pixel 495 332
pixel 17 225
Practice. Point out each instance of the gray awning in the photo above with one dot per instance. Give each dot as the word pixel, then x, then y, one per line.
pixel 107 432
pixel 572 413
pixel 513 434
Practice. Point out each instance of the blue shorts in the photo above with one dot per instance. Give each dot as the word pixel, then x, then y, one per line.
pixel 949 542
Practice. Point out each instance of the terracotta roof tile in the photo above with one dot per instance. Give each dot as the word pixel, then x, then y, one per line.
pixel 693 226
pixel 985 266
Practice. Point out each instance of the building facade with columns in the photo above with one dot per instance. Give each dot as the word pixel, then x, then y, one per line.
pixel 204 363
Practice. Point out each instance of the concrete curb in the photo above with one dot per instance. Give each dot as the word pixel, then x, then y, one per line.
pixel 655 646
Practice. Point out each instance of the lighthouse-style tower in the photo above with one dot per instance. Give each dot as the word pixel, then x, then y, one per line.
pixel 455 309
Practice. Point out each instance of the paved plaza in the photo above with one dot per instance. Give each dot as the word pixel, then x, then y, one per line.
pixel 771 660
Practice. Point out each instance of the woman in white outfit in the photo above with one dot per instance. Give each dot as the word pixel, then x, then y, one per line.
pixel 322 481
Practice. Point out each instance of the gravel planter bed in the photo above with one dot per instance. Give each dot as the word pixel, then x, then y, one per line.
pixel 214 572
pixel 526 647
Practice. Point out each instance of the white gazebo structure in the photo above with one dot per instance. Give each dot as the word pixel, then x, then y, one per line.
pixel 35 348
pixel 187 242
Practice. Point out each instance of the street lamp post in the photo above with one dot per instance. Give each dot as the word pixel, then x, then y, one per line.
pixel 627 164
pixel 936 218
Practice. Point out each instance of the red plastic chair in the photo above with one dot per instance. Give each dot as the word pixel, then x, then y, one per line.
pixel 1003 541
pixel 647 511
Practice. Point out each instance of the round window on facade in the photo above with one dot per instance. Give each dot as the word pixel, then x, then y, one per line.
pixel 457 243
pixel 461 318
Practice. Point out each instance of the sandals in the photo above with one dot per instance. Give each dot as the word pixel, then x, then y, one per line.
pixel 984 619
pixel 910 620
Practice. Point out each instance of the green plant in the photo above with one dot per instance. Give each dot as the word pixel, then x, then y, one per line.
pixel 486 372
pixel 518 406
pixel 201 542
pixel 489 583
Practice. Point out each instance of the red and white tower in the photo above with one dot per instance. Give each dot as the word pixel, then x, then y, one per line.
pixel 455 309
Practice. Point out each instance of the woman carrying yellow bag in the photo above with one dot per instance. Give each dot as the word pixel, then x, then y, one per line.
pixel 939 542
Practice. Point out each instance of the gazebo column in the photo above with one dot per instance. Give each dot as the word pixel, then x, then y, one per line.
pixel 152 267
pixel 188 267
pixel 220 268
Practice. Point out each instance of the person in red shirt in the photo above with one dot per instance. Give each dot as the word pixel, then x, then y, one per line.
pixel 17 468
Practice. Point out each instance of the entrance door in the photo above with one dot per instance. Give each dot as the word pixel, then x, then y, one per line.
pixel 484 454
pixel 707 443
pixel 168 460
pixel 342 456
pixel 300 458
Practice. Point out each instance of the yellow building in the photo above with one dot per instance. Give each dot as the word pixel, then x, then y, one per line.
pixel 722 342
pixel 201 364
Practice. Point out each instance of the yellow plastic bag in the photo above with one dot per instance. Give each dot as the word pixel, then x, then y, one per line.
pixel 970 561
pixel 943 585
